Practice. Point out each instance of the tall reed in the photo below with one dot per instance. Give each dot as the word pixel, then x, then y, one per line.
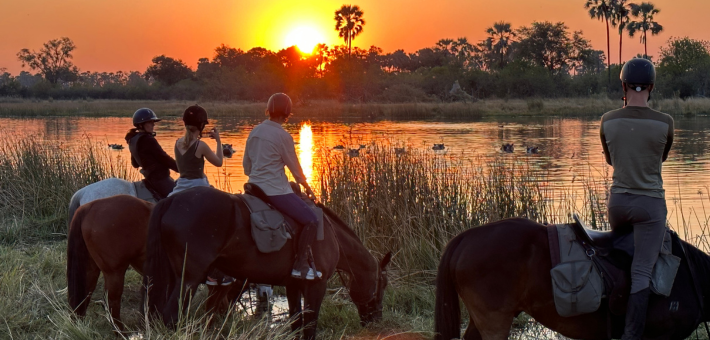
pixel 38 178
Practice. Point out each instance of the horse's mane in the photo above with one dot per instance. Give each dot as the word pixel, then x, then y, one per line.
pixel 343 226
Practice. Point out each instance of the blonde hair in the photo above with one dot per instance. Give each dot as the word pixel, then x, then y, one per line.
pixel 189 137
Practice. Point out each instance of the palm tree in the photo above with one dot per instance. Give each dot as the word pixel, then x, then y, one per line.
pixel 501 36
pixel 620 19
pixel 645 12
pixel 349 23
pixel 602 10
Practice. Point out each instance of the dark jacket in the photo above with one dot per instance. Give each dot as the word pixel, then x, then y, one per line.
pixel 147 154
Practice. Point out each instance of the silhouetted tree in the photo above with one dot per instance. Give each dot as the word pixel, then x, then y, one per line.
pixel 167 70
pixel 349 23
pixel 602 10
pixel 548 45
pixel 499 41
pixel 620 19
pixel 53 60
pixel 644 12
pixel 684 67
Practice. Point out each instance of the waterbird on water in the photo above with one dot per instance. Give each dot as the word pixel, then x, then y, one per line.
pixel 338 147
pixel 116 146
pixel 439 146
pixel 354 152
pixel 532 149
pixel 508 147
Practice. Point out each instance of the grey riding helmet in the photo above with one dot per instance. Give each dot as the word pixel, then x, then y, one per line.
pixel 638 73
pixel 144 115
pixel 279 104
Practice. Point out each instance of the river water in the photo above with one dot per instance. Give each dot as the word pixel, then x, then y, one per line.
pixel 570 149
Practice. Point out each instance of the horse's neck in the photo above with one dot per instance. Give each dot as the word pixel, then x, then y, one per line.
pixel 354 257
pixel 701 272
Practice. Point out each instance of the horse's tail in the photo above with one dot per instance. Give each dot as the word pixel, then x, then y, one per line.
pixel 78 260
pixel 158 275
pixel 73 205
pixel 447 314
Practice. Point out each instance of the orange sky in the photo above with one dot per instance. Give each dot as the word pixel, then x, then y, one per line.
pixel 125 34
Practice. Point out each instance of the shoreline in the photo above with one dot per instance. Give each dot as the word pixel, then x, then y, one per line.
pixel 564 107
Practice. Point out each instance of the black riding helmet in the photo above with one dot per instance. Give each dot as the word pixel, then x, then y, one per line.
pixel 638 73
pixel 144 115
pixel 279 105
pixel 195 116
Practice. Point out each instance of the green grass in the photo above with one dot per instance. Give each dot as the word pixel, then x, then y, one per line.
pixel 566 107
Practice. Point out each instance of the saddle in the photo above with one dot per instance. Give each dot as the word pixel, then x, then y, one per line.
pixel 145 192
pixel 612 253
pixel 271 228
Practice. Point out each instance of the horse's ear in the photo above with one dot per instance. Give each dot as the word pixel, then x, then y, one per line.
pixel 386 260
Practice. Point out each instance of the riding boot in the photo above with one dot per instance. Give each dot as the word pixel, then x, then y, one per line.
pixel 305 241
pixel 636 315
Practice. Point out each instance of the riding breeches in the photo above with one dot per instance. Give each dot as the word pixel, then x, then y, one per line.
pixel 294 207
pixel 647 216
pixel 162 186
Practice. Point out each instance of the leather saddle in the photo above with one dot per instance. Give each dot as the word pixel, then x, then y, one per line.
pixel 256 191
pixel 611 252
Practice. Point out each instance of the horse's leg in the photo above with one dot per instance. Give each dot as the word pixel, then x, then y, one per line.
pixel 114 289
pixel 92 278
pixel 472 332
pixel 313 294
pixel 293 295
pixel 488 323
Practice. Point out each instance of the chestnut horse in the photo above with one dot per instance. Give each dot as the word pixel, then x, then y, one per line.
pixel 201 229
pixel 503 268
pixel 106 236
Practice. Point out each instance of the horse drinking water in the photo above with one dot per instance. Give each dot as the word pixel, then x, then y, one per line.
pixel 201 229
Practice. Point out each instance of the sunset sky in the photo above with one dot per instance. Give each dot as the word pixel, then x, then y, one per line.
pixel 125 34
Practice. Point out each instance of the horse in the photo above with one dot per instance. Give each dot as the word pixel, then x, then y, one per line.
pixel 503 268
pixel 106 236
pixel 202 228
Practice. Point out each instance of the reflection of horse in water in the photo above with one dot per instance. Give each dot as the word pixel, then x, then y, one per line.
pixel 503 268
pixel 201 229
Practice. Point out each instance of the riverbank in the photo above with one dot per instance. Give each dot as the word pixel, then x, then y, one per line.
pixel 410 202
pixel 567 107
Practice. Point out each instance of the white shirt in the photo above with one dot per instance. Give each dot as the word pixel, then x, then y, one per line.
pixel 269 148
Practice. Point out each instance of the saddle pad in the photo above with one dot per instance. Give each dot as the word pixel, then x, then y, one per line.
pixel 143 193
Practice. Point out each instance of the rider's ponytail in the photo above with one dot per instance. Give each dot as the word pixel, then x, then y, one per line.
pixel 130 134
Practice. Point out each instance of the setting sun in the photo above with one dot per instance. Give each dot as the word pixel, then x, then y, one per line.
pixel 305 38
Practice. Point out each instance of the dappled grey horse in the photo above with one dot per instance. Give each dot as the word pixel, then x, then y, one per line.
pixel 101 189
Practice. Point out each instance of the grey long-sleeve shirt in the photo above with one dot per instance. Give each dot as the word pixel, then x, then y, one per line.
pixel 269 148
pixel 636 141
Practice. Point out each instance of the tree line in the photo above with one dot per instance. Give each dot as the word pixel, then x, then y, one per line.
pixel 543 59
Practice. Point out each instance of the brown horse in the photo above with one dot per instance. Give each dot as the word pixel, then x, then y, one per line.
pixel 106 236
pixel 502 269
pixel 200 229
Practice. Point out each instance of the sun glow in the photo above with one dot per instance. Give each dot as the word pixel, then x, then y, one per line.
pixel 305 38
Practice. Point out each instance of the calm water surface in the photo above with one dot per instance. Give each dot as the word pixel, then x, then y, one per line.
pixel 569 147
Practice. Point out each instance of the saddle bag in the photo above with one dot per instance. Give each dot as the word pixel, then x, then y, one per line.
pixel 268 226
pixel 666 267
pixel 577 285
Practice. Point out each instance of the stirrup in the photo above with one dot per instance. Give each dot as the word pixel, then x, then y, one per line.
pixel 311 275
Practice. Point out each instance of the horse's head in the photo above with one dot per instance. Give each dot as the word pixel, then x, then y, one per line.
pixel 368 297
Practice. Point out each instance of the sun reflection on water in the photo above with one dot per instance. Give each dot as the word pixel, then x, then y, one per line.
pixel 305 150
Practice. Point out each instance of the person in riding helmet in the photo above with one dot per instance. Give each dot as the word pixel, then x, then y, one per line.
pixel 636 141
pixel 147 154
pixel 269 149
pixel 191 152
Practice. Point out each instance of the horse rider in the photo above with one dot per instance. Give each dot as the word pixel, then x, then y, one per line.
pixel 146 153
pixel 268 149
pixel 191 152
pixel 636 141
